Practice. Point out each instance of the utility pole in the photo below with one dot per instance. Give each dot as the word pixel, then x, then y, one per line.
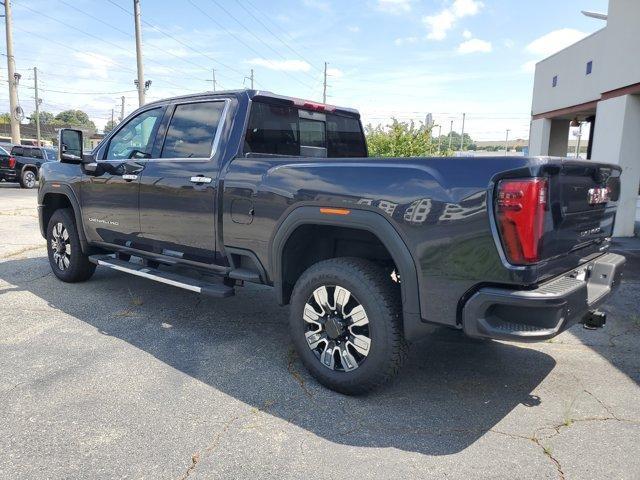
pixel 112 122
pixel 11 74
pixel 38 101
pixel 213 79
pixel 464 115
pixel 324 85
pixel 506 144
pixel 140 81
pixel 251 78
pixel 121 108
pixel 439 139
pixel 450 135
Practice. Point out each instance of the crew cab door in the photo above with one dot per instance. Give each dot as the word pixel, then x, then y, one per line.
pixel 178 189
pixel 109 196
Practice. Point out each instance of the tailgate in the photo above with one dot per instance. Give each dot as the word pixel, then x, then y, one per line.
pixel 583 201
pixel 4 161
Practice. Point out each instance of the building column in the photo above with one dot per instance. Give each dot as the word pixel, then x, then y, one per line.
pixel 539 137
pixel 617 140
pixel 549 137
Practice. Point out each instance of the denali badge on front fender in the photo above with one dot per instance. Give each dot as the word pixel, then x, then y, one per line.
pixel 598 195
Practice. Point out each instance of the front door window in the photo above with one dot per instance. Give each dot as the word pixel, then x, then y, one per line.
pixel 135 139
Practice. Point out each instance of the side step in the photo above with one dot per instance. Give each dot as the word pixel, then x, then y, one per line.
pixel 181 281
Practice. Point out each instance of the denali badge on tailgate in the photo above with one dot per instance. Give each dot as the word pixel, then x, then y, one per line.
pixel 598 195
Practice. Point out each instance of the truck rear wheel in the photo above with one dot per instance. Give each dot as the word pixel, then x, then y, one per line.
pixel 67 261
pixel 28 179
pixel 346 324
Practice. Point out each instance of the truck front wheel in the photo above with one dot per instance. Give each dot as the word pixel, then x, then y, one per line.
pixel 346 324
pixel 67 261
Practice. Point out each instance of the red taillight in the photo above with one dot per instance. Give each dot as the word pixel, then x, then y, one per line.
pixel 12 162
pixel 318 107
pixel 520 212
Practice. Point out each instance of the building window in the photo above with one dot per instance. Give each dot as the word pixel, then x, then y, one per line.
pixel 554 83
pixel 589 67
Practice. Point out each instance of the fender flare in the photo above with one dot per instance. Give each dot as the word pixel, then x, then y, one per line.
pixel 367 220
pixel 64 190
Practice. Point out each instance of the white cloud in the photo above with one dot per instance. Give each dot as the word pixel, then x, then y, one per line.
pixel 353 28
pixel 440 23
pixel 466 8
pixel 318 5
pixel 475 45
pixel 398 42
pixel 335 72
pixel 97 64
pixel 467 34
pixel 395 6
pixel 282 65
pixel 554 41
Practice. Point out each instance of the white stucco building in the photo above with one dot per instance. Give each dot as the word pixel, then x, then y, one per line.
pixel 596 80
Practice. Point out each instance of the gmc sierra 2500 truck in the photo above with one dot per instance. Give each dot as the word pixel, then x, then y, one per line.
pixel 207 192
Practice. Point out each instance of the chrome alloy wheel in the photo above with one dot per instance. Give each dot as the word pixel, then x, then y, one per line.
pixel 61 246
pixel 29 179
pixel 337 330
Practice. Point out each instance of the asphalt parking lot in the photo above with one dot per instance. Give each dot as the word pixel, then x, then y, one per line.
pixel 125 378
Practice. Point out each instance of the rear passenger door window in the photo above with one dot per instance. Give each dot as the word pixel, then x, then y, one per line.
pixel 192 130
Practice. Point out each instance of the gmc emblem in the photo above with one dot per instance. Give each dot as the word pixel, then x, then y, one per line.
pixel 598 195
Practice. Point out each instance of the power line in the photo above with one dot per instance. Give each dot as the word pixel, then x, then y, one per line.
pixel 239 39
pixel 286 44
pixel 168 35
pixel 256 37
pixel 115 45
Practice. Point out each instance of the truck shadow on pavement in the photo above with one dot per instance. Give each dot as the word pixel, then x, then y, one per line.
pixel 451 392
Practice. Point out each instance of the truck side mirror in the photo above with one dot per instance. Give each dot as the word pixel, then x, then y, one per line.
pixel 70 142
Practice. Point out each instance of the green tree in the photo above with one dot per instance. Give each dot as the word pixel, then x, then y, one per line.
pixel 400 139
pixel 110 125
pixel 46 118
pixel 455 141
pixel 75 118
pixel 5 118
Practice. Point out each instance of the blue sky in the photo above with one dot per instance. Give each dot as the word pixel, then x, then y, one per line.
pixel 402 58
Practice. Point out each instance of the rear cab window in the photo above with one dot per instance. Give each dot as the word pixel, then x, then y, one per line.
pixel 17 151
pixel 289 130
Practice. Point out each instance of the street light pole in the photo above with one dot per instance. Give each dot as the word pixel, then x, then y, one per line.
pixel 140 81
pixel 439 139
pixel 506 144
pixel 579 138
pixel 11 76
pixel 450 135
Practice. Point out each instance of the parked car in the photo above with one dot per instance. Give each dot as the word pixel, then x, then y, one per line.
pixel 370 253
pixel 23 164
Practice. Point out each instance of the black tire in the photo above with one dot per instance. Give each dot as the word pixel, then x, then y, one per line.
pixel 28 179
pixel 75 266
pixel 370 287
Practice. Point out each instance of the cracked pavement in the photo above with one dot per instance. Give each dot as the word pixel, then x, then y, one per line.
pixel 124 378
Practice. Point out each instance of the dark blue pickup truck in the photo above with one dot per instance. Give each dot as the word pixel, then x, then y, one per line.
pixel 207 192
pixel 22 164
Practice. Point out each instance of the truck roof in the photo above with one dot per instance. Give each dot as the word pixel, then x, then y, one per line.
pixel 263 94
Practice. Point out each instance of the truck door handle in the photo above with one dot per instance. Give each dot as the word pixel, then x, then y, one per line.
pixel 128 177
pixel 201 179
